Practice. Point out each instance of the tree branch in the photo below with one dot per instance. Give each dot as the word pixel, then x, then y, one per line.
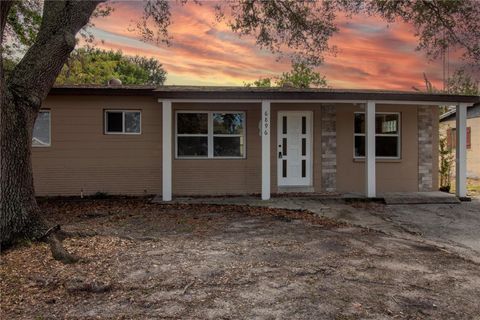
pixel 4 10
pixel 35 74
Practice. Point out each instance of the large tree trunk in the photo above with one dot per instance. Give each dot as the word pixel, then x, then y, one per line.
pixel 21 97
pixel 19 211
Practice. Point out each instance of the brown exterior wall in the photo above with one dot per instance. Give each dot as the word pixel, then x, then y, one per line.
pixel 83 157
pixel 220 176
pixel 392 175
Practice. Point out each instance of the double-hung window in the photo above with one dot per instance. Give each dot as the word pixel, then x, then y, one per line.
pixel 41 130
pixel 387 135
pixel 214 134
pixel 123 122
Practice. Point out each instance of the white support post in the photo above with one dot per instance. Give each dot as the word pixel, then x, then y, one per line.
pixel 265 130
pixel 167 150
pixel 370 179
pixel 461 150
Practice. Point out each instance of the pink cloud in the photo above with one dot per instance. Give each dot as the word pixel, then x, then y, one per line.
pixel 371 53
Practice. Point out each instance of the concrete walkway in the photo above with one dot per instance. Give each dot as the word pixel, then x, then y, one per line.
pixel 453 227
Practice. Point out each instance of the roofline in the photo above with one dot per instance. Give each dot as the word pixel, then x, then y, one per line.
pixel 101 91
pixel 259 94
pixel 448 114
pixel 314 95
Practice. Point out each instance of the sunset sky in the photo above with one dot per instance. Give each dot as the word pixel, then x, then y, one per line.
pixel 372 54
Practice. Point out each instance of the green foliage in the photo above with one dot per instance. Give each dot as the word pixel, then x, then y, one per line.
pixel 302 75
pixel 8 65
pixel 23 22
pixel 95 66
pixel 463 83
pixel 261 83
pixel 446 163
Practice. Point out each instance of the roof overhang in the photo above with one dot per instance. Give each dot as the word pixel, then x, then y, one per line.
pixel 275 95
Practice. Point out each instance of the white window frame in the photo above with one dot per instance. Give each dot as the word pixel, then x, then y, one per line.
pixel 105 121
pixel 49 129
pixel 210 135
pixel 398 135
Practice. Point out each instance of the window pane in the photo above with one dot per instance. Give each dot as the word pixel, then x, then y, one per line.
pixel 228 146
pixel 386 147
pixel 41 130
pixel 359 146
pixel 114 122
pixel 228 123
pixel 132 122
pixel 386 123
pixel 192 123
pixel 359 123
pixel 192 146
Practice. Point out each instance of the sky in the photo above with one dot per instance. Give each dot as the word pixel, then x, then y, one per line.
pixel 371 53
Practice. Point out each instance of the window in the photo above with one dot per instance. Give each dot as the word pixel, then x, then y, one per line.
pixel 387 135
pixel 41 130
pixel 452 138
pixel 210 134
pixel 122 122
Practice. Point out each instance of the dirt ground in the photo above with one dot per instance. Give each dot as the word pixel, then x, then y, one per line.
pixel 151 261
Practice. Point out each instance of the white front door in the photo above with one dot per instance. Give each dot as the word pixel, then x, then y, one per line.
pixel 294 148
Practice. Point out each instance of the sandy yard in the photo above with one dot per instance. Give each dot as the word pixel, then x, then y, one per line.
pixel 146 261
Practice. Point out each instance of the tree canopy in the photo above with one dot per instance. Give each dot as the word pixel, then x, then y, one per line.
pixel 461 82
pixel 302 75
pixel 303 27
pixel 95 66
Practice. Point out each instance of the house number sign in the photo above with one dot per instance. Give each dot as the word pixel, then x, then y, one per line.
pixel 265 123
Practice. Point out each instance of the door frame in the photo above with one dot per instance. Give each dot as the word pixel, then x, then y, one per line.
pixel 309 114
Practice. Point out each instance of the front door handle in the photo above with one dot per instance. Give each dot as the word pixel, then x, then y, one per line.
pixel 279 154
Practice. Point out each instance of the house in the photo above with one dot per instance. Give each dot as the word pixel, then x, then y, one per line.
pixel 182 140
pixel 448 128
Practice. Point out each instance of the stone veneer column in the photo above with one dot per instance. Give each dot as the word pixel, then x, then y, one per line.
pixel 425 148
pixel 329 148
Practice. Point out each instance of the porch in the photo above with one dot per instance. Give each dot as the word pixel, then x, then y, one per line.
pixel 368 102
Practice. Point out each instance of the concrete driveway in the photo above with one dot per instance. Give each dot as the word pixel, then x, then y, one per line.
pixel 453 227
pixel 456 226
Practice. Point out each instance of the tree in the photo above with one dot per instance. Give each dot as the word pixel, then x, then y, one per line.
pixel 47 29
pixel 463 83
pixel 301 76
pixel 21 97
pixel 446 162
pixel 460 83
pixel 306 26
pixel 95 66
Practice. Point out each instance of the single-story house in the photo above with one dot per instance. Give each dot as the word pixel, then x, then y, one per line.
pixel 448 128
pixel 184 140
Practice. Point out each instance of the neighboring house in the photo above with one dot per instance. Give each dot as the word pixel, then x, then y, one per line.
pixel 448 128
pixel 233 140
